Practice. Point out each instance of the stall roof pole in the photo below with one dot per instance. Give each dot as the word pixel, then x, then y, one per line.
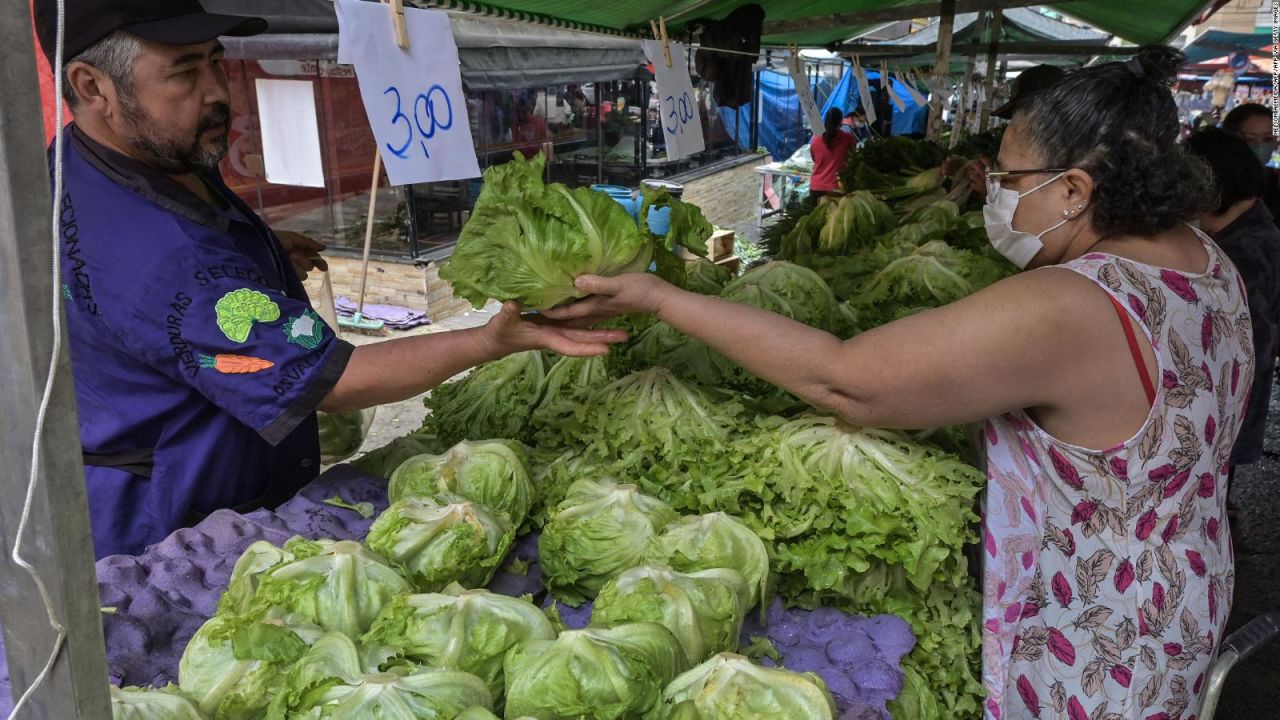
pixel 996 23
pixel 941 66
pixel 57 540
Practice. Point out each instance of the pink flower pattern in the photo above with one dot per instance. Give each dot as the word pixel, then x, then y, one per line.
pixel 1109 574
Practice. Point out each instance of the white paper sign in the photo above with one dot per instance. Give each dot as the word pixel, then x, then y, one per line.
pixel 681 122
pixel 864 92
pixel 413 96
pixel 909 83
pixel 290 132
pixel 795 68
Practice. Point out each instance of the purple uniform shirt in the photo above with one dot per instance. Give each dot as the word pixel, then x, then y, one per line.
pixel 198 359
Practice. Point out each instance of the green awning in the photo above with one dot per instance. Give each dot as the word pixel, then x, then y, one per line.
pixel 1137 21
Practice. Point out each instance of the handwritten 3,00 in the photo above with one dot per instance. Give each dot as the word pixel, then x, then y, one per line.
pixel 679 112
pixel 432 112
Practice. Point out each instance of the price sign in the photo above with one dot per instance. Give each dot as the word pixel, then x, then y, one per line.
pixel 413 96
pixel 681 122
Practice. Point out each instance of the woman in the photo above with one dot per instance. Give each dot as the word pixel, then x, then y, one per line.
pixel 1108 570
pixel 830 151
pixel 1244 229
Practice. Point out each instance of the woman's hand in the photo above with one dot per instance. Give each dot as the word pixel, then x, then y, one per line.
pixel 511 331
pixel 612 296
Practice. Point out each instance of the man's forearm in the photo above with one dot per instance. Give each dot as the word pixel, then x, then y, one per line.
pixel 396 370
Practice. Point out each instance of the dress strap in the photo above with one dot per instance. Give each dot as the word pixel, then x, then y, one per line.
pixel 1135 350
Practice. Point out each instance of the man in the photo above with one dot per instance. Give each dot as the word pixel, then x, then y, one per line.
pixel 1028 83
pixel 199 362
pixel 1251 123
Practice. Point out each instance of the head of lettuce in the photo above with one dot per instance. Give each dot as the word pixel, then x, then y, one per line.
pixel 527 241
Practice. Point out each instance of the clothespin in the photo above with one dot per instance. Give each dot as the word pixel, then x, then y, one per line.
pixel 397 23
pixel 666 43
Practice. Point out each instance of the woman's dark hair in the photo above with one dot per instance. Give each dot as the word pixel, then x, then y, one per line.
pixel 1236 119
pixel 1237 174
pixel 831 124
pixel 1119 123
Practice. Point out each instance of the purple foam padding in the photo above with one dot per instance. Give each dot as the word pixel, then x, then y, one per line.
pixel 164 595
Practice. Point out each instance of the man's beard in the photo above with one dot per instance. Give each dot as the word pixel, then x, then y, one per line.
pixel 179 156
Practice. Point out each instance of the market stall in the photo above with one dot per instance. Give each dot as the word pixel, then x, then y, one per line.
pixel 565 482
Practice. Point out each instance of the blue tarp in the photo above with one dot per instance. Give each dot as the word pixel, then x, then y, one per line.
pixel 782 126
pixel 911 119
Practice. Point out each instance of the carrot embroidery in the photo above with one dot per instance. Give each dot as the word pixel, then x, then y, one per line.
pixel 235 364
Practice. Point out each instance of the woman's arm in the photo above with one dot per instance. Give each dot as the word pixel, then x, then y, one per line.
pixel 998 350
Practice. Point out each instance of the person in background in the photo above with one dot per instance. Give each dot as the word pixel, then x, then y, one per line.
pixel 1245 230
pixel 856 125
pixel 830 151
pixel 1252 123
pixel 1024 87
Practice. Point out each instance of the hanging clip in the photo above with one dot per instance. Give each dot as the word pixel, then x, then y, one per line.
pixel 666 42
pixel 397 23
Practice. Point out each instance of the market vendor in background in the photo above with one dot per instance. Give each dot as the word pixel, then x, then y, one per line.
pixel 830 152
pixel 1111 379
pixel 199 362
pixel 1252 123
pixel 1245 230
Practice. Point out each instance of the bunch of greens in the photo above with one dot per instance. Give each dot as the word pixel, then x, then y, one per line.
pixel 853 222
pixel 654 429
pixel 467 630
pixel 330 683
pixel 715 540
pixel 492 473
pixel 564 390
pixel 794 213
pixel 599 531
pixel 132 703
pixel 704 609
pixel 616 672
pixel 871 522
pixel 731 686
pixel 384 460
pixel 341 435
pixel 234 665
pixel 338 585
pixel 787 289
pixel 894 168
pixel 494 401
pixel 528 241
pixel 705 277
pixel 442 539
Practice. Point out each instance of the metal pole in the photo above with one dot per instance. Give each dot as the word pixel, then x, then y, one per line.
pixel 941 66
pixel 996 23
pixel 58 541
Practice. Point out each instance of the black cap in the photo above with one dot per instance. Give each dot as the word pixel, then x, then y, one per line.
pixel 172 22
pixel 1030 82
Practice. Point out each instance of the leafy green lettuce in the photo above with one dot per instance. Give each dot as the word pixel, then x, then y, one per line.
pixel 607 673
pixel 493 473
pixel 468 630
pixel 133 703
pixel 442 539
pixel 731 686
pixel 715 540
pixel 494 401
pixel 704 609
pixel 599 531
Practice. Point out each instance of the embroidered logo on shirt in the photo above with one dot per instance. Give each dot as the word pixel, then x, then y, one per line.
pixel 238 310
pixel 66 292
pixel 235 364
pixel 306 330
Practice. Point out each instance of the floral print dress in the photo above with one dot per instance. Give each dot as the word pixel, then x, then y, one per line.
pixel 1108 574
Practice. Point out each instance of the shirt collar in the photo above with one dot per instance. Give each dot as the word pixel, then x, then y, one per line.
pixel 149 183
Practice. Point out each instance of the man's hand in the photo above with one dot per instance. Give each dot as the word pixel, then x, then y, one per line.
pixel 612 296
pixel 303 252
pixel 511 331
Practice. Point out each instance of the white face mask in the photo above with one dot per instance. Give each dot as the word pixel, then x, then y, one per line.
pixel 1018 246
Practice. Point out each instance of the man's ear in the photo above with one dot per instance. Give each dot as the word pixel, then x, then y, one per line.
pixel 93 89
